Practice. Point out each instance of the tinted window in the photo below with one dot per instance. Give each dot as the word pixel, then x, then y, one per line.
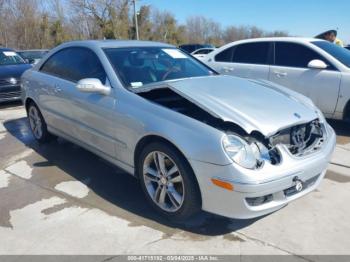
pixel 188 48
pixel 75 64
pixel 225 56
pixel 339 53
pixel 32 54
pixel 252 53
pixel 193 47
pixel 294 55
pixel 8 57
pixel 138 66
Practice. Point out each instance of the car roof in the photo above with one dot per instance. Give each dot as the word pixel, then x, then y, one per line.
pixel 115 43
pixel 203 48
pixel 281 39
pixel 33 50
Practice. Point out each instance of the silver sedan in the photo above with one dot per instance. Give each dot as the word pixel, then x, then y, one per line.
pixel 194 139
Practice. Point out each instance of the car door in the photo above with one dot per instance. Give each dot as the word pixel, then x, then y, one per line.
pixel 92 113
pixel 53 97
pixel 290 69
pixel 248 60
pixel 222 61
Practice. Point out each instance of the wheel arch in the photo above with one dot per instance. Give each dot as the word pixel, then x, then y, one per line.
pixel 27 102
pixel 155 138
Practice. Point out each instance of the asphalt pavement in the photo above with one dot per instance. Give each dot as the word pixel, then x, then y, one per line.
pixel 61 199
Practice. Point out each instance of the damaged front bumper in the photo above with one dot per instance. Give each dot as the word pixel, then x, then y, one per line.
pixel 259 192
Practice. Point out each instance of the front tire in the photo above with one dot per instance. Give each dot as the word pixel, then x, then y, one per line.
pixel 38 125
pixel 168 182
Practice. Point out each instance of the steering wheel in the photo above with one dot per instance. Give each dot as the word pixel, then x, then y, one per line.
pixel 172 69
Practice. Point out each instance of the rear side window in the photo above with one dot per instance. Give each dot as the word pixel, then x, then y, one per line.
pixel 225 56
pixel 74 64
pixel 294 55
pixel 252 53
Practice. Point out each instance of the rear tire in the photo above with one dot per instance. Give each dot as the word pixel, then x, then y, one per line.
pixel 346 117
pixel 168 182
pixel 38 125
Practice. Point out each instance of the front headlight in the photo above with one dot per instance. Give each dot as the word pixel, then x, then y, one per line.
pixel 12 80
pixel 241 152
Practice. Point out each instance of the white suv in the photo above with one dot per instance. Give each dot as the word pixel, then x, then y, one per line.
pixel 313 67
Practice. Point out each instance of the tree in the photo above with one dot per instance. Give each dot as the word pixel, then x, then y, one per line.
pixel 110 16
pixel 203 30
pixel 28 24
pixel 145 23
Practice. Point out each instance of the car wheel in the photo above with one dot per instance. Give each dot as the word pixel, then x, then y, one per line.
pixel 38 125
pixel 168 182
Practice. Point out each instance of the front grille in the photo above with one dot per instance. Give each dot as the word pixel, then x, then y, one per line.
pixel 10 95
pixel 302 139
pixel 258 201
pixel 308 183
pixel 3 82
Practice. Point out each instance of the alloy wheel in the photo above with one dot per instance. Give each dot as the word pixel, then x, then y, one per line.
pixel 35 122
pixel 163 181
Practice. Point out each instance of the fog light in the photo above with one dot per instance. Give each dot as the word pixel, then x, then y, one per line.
pixel 257 201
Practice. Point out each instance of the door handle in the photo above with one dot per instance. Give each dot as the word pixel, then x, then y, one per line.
pixel 280 74
pixel 228 69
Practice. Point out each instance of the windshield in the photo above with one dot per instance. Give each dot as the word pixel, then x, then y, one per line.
pixel 339 53
pixel 32 54
pixel 10 58
pixel 138 66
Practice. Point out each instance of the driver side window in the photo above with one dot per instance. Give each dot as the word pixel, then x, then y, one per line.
pixel 74 64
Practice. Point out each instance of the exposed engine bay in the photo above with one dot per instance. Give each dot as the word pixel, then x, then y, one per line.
pixel 300 140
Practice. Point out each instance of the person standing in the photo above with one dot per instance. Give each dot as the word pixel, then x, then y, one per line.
pixel 331 36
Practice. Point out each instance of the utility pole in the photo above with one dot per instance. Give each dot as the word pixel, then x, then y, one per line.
pixel 135 20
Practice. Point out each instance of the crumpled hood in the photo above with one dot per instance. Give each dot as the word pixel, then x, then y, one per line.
pixel 253 105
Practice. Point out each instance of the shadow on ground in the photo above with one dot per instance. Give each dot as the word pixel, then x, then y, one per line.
pixel 7 105
pixel 114 185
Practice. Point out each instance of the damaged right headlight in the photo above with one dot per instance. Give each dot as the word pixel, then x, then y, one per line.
pixel 242 153
pixel 249 155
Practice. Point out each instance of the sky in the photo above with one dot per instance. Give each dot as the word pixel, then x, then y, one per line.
pixel 300 18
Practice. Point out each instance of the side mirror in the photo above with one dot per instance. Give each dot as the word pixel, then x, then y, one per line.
pixel 93 85
pixel 317 64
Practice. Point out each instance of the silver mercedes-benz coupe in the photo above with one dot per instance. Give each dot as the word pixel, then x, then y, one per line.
pixel 194 139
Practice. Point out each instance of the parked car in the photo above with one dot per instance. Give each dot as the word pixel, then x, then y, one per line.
pixel 202 52
pixel 33 56
pixel 11 68
pixel 315 68
pixel 189 48
pixel 194 139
